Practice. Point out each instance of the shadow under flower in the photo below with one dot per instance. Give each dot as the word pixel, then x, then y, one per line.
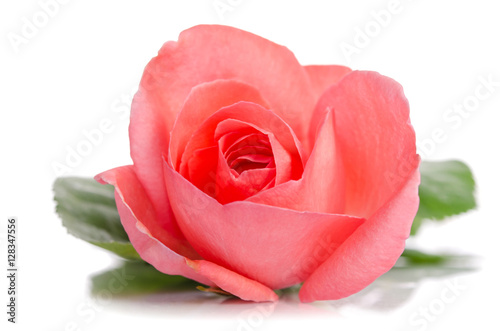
pixel 394 288
pixel 138 283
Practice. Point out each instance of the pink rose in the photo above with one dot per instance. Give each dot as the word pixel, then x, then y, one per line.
pixel 253 173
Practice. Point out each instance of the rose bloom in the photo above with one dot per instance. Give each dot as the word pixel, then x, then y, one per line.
pixel 253 173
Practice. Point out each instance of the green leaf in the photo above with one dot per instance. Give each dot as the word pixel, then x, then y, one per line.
pixel 125 250
pixel 413 257
pixel 446 189
pixel 88 212
pixel 419 257
pixel 138 277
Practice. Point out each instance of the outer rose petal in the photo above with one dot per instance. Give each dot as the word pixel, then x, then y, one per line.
pixel 377 143
pixel 148 140
pixel 375 138
pixel 370 252
pixel 233 283
pixel 275 246
pixel 139 220
pixel 324 76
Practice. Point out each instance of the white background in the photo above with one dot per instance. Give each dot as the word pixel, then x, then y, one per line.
pixel 83 64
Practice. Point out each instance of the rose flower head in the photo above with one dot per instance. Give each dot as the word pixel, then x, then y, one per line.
pixel 253 173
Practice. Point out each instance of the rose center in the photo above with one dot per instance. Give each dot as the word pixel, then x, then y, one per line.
pixel 252 151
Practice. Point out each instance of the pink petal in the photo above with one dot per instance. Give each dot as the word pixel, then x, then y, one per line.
pixel 140 222
pixel 253 158
pixel 202 169
pixel 375 138
pixel 377 143
pixel 275 246
pixel 322 186
pixel 201 103
pixel 368 253
pixel 242 154
pixel 148 141
pixel 229 281
pixel 324 76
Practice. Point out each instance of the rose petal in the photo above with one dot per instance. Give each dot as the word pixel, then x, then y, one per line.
pixel 274 246
pixel 322 186
pixel 202 169
pixel 368 253
pixel 148 142
pixel 204 100
pixel 140 222
pixel 259 159
pixel 229 281
pixel 324 76
pixel 375 138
